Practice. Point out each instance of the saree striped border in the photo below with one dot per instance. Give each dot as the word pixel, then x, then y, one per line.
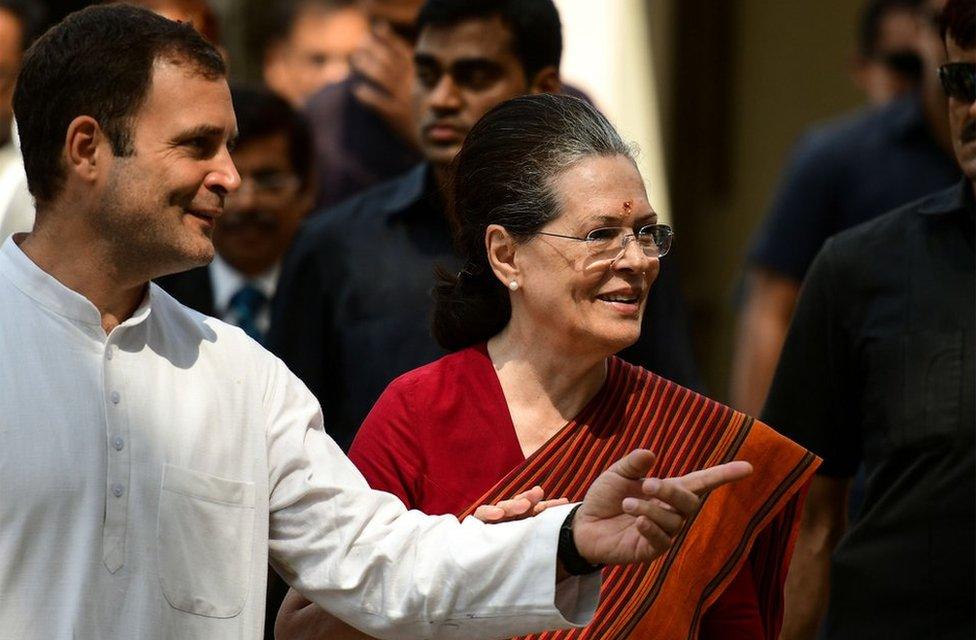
pixel 754 520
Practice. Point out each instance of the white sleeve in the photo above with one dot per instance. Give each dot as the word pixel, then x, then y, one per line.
pixel 393 573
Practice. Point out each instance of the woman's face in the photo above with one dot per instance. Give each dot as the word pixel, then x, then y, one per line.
pixel 581 300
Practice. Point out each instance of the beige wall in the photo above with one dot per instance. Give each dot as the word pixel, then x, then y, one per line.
pixel 789 66
pixel 607 53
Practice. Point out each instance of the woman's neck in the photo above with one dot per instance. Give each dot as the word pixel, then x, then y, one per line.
pixel 544 387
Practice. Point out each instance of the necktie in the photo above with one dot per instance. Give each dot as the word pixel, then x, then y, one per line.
pixel 245 305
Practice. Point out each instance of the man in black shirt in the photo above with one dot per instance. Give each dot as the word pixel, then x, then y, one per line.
pixel 878 367
pixel 353 306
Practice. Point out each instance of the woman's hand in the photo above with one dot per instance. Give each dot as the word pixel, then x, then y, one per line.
pixel 526 504
pixel 627 517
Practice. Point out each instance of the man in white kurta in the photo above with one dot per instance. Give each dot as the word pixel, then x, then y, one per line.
pixel 151 468
pixel 153 460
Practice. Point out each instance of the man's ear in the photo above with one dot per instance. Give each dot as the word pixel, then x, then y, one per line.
pixel 546 80
pixel 83 148
pixel 501 249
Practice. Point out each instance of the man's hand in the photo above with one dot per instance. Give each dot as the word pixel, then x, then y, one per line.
pixel 384 64
pixel 523 505
pixel 627 517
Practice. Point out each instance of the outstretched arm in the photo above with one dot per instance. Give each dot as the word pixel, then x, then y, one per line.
pixel 762 326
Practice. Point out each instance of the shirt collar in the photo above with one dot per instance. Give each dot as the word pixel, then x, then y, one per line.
pixel 412 187
pixel 906 115
pixel 227 281
pixel 959 197
pixel 50 293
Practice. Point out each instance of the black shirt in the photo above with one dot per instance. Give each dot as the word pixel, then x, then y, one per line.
pixel 846 172
pixel 878 366
pixel 353 306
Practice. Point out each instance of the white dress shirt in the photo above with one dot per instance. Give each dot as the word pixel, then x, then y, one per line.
pixel 226 281
pixel 145 476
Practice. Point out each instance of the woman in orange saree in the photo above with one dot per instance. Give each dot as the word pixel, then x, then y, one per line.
pixel 561 246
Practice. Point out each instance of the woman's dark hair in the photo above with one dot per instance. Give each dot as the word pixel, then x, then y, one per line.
pixel 504 175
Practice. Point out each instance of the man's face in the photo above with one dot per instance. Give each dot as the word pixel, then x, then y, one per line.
pixel 463 71
pixel 962 116
pixel 157 208
pixel 316 52
pixel 898 35
pixel 10 58
pixel 261 218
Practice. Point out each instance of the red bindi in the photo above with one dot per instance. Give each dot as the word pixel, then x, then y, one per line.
pixel 627 206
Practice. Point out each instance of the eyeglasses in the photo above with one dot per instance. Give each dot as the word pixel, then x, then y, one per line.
pixel 269 184
pixel 959 80
pixel 609 243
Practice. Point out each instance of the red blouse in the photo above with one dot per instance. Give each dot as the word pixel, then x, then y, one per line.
pixel 439 446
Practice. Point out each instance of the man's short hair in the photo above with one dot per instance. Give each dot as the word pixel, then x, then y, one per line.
pixel 262 113
pixel 958 20
pixel 97 62
pixel 30 14
pixel 536 30
pixel 872 15
pixel 280 17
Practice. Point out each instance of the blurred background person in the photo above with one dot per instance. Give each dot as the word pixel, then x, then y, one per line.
pixel 199 13
pixel 20 23
pixel 352 311
pixel 309 44
pixel 363 126
pixel 878 369
pixel 887 63
pixel 274 158
pixel 840 174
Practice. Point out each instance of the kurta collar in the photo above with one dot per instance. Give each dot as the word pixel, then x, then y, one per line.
pixel 50 293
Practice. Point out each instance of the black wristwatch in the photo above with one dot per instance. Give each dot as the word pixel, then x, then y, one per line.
pixel 568 554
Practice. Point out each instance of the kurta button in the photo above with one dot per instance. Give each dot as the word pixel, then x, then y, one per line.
pixel 117 490
pixel 115 397
pixel 109 352
pixel 118 443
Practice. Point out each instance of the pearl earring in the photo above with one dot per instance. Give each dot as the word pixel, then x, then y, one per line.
pixel 513 285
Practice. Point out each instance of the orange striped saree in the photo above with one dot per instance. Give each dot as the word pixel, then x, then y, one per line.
pixel 754 520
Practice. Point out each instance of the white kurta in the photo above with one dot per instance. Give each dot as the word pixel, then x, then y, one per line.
pixel 145 475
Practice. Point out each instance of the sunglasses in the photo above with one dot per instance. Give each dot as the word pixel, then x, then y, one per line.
pixel 959 80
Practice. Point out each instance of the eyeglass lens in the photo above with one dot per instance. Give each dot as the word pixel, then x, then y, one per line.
pixel 611 242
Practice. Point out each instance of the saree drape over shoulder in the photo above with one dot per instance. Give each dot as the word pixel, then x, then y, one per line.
pixel 403 449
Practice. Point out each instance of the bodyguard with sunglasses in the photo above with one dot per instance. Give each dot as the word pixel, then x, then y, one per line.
pixel 878 368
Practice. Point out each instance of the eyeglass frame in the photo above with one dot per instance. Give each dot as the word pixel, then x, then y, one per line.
pixel 944 80
pixel 291 183
pixel 624 238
